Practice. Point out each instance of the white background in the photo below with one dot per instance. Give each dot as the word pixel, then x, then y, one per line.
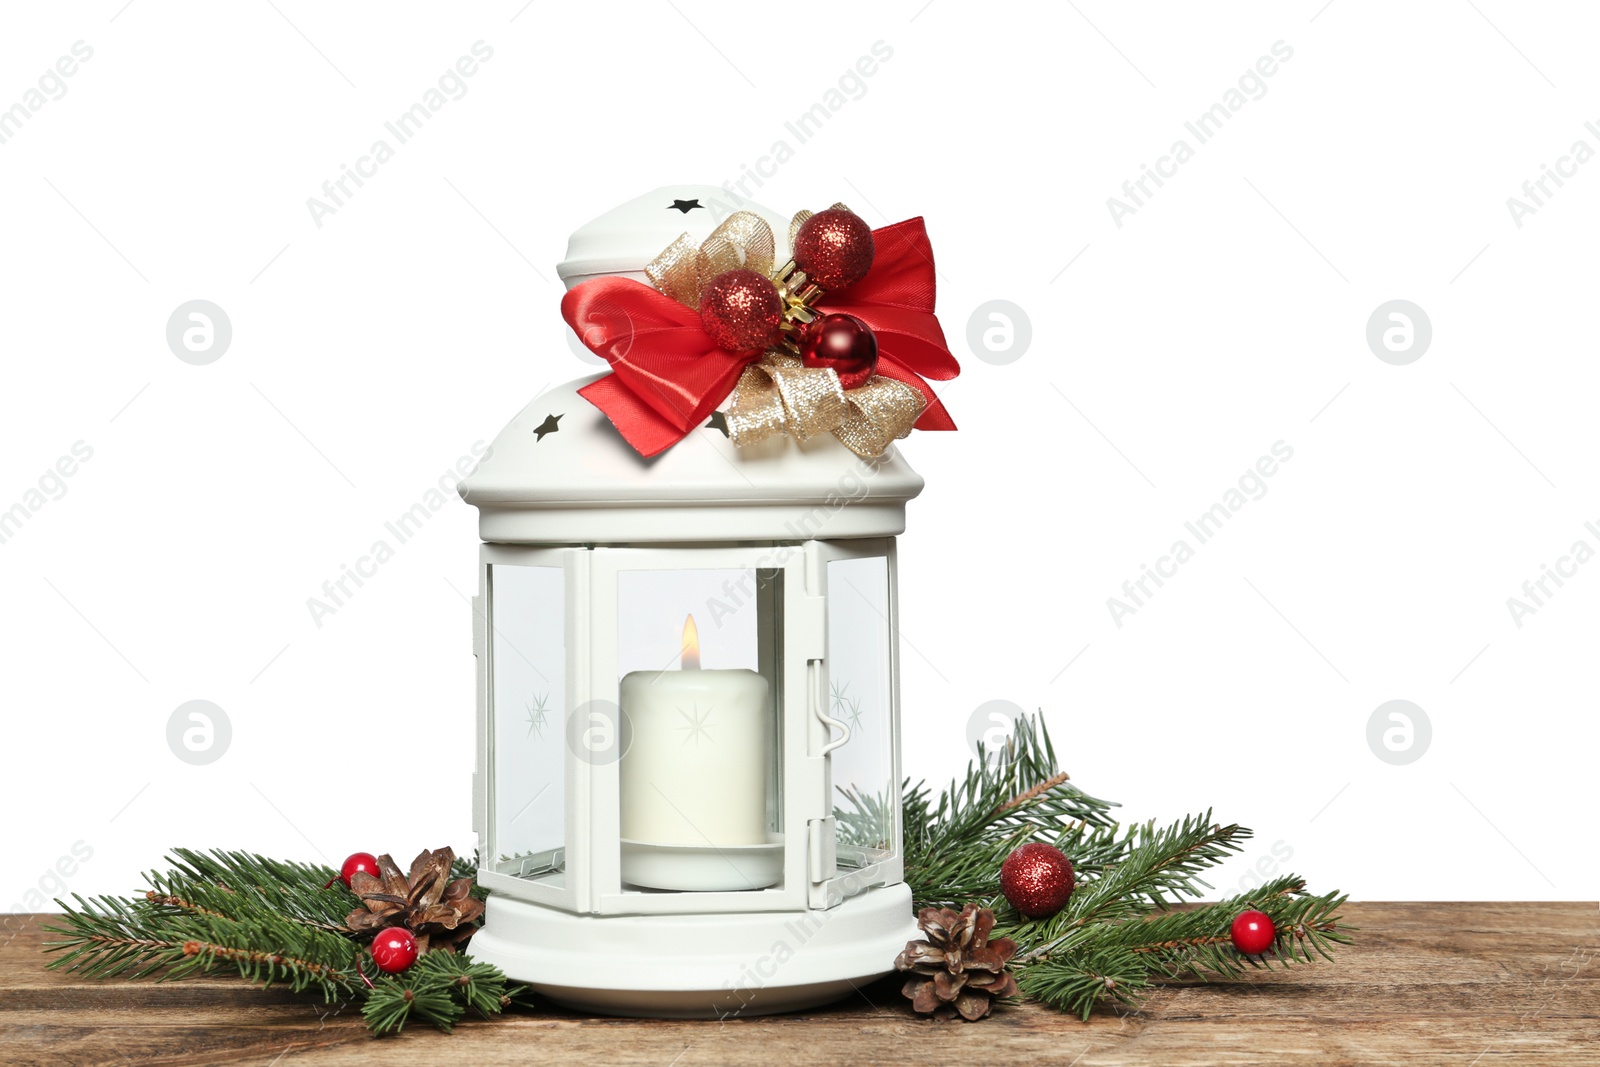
pixel 1167 354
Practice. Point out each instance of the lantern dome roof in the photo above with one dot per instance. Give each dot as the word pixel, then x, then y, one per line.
pixel 621 241
pixel 560 473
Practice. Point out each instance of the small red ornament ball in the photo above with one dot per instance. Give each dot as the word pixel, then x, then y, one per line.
pixel 394 949
pixel 741 311
pixel 844 343
pixel 1253 932
pixel 1037 880
pixel 356 861
pixel 834 248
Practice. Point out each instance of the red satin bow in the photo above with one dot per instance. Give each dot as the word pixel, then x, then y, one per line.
pixel 668 376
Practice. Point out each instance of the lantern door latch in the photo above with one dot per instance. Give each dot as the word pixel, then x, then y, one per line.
pixel 819 709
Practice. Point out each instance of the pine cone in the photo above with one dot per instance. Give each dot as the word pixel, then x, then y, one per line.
pixel 957 970
pixel 438 912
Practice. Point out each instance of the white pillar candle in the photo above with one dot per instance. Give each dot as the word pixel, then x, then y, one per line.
pixel 696 769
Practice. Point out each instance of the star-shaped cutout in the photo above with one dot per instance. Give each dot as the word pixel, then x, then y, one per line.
pixel 686 206
pixel 548 426
pixel 719 421
pixel 695 726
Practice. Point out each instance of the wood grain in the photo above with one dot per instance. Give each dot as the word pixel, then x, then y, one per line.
pixel 1484 984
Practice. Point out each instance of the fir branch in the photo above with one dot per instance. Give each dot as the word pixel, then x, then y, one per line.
pixel 1118 934
pixel 1094 849
pixel 440 988
pixel 1118 961
pixel 954 844
pixel 315 907
pixel 110 937
pixel 1077 983
pixel 266 966
pixel 178 902
pixel 1030 793
pixel 292 889
pixel 269 922
pixel 1158 864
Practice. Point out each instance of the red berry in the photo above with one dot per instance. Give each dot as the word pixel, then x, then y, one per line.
pixel 1037 879
pixel 844 343
pixel 394 949
pixel 1253 932
pixel 358 861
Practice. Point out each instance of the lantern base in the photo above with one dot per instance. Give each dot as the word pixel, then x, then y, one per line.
pixel 697 966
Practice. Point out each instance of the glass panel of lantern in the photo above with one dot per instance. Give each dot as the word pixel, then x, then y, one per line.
pixel 861 695
pixel 700 686
pixel 527 682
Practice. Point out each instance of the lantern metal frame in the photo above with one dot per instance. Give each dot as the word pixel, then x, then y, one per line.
pixel 840 913
pixel 593 882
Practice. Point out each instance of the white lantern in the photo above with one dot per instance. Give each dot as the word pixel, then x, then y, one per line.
pixel 688 773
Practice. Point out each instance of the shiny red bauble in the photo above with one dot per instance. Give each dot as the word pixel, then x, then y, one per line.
pixel 844 343
pixel 834 248
pixel 356 861
pixel 394 949
pixel 1037 880
pixel 1253 932
pixel 741 310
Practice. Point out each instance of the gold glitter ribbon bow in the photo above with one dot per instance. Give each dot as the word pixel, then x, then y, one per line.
pixel 778 394
pixel 683 270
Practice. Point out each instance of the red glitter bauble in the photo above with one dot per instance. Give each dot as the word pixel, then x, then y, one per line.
pixel 844 343
pixel 1037 880
pixel 394 949
pixel 1253 932
pixel 741 310
pixel 834 248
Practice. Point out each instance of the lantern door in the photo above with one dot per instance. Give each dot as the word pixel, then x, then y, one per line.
pixel 527 808
pixel 858 703
pixel 701 657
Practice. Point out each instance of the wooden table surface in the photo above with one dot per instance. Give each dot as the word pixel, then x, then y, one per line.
pixel 1466 984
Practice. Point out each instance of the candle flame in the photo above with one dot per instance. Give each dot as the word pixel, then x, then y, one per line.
pixel 691 644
